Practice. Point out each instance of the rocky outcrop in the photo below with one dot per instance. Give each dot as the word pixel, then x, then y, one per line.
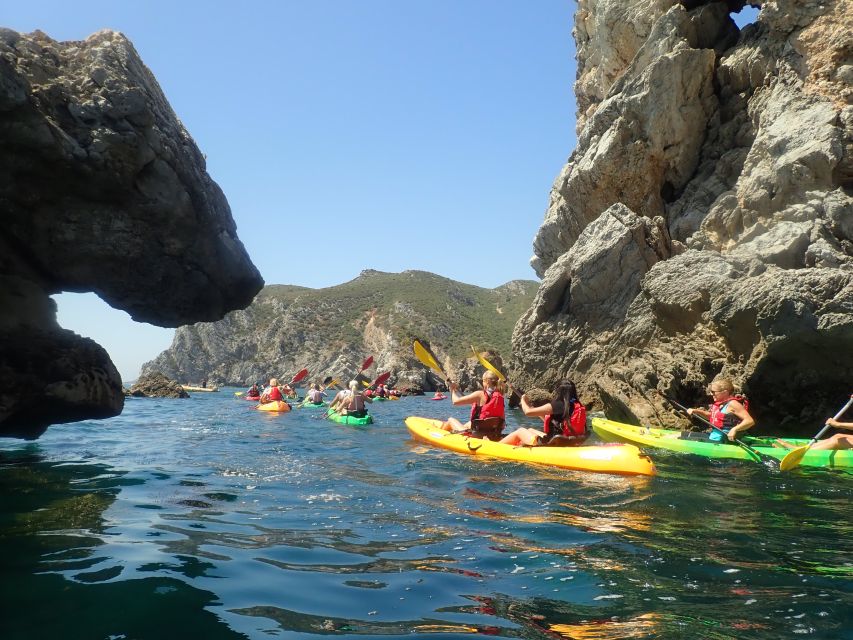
pixel 156 385
pixel 101 189
pixel 702 226
pixel 332 331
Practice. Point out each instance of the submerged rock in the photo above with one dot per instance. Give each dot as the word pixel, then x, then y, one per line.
pixel 101 189
pixel 702 226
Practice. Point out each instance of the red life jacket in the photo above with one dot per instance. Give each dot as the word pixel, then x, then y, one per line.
pixel 724 420
pixel 573 426
pixel 494 407
pixel 275 394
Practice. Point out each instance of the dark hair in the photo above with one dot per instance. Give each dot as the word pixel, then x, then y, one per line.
pixel 566 393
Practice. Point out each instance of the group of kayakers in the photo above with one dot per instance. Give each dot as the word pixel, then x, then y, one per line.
pixel 564 416
pixel 271 393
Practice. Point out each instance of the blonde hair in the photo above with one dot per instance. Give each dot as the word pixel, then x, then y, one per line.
pixel 353 385
pixel 273 382
pixel 724 384
pixel 493 378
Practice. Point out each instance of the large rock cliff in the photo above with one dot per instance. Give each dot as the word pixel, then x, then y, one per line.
pixel 101 189
pixel 332 331
pixel 703 226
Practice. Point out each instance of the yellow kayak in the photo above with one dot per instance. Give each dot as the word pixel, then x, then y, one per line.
pixel 624 459
pixel 276 405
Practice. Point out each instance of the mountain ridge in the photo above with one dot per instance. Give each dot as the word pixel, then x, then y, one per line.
pixel 331 330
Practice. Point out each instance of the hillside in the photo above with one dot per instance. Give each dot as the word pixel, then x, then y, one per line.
pixel 332 330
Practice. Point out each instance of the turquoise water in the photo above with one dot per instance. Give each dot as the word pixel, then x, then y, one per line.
pixel 202 518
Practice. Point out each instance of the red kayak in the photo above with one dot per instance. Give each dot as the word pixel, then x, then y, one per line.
pixel 252 398
pixel 438 398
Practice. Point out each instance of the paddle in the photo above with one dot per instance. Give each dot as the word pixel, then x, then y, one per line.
pixel 299 376
pixel 380 379
pixel 488 365
pixel 366 364
pixel 758 456
pixel 427 358
pixel 793 458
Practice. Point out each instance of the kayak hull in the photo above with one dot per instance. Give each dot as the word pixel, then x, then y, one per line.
pixel 314 404
pixel 350 420
pixel 439 398
pixel 670 440
pixel 624 460
pixel 276 406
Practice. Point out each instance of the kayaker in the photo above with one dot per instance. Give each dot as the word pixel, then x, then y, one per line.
pixel 353 405
pixel 564 417
pixel 253 392
pixel 838 441
pixel 315 396
pixel 726 412
pixel 272 392
pixel 485 403
pixel 339 398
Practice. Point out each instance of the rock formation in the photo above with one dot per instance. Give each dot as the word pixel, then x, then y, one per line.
pixel 332 331
pixel 156 385
pixel 101 189
pixel 703 226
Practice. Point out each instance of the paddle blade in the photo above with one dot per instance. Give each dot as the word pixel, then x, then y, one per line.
pixel 299 376
pixel 239 393
pixel 423 354
pixel 366 364
pixel 327 381
pixel 487 364
pixel 792 458
pixel 381 379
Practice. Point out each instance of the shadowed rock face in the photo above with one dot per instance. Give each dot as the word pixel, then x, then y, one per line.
pixel 704 224
pixel 101 189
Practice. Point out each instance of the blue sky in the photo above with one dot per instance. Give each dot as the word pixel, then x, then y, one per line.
pixel 383 134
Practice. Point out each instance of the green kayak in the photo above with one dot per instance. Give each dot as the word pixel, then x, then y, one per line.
pixel 313 404
pixel 378 399
pixel 671 440
pixel 351 420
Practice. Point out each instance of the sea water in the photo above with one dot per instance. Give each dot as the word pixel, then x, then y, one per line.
pixel 204 518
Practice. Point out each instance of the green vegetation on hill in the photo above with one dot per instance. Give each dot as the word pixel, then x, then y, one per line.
pixel 410 304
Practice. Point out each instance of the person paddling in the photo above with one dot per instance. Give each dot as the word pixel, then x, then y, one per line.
pixel 253 392
pixel 726 412
pixel 315 395
pixel 353 405
pixel 488 413
pixel 564 417
pixel 272 392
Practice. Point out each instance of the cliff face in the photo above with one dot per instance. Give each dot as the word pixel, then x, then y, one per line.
pixel 101 189
pixel 332 331
pixel 704 223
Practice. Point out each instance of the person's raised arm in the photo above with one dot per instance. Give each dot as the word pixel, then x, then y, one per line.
pixel 535 412
pixel 471 398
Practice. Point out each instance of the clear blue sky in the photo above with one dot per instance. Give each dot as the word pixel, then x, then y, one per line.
pixel 346 135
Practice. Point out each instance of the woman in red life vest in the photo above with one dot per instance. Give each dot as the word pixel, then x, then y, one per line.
pixel 485 403
pixel 272 392
pixel 726 412
pixel 564 417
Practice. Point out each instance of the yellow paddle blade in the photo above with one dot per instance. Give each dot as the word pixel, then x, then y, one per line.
pixel 365 383
pixel 792 459
pixel 239 393
pixel 426 358
pixel 488 364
